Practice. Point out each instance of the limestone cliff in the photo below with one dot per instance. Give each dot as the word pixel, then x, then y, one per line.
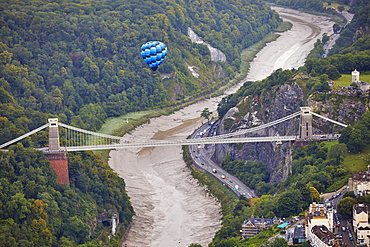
pixel 273 104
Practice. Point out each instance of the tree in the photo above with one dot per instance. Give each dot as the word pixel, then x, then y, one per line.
pixel 41 235
pixel 345 206
pixel 333 72
pixel 323 78
pixel 337 152
pixel 77 230
pixel 206 114
pixel 356 143
pixel 278 242
pixel 289 203
pixel 18 208
pixel 315 195
pixel 65 242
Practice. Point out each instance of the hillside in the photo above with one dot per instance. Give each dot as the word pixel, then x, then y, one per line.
pixel 297 175
pixel 80 61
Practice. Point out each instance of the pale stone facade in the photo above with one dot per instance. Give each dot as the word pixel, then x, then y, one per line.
pixel 361 223
pixel 356 79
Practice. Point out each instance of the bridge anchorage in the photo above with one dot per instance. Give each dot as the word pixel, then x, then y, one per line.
pixel 77 139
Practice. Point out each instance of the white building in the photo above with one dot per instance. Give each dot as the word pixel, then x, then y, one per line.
pixel 355 76
pixel 361 223
pixel 363 188
pixel 320 215
pixel 356 79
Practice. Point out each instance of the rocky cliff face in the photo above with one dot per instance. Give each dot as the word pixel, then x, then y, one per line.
pixel 216 54
pixel 273 104
pixel 341 108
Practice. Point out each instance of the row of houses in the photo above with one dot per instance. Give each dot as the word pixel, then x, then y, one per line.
pixel 321 221
pixel 253 226
pixel 320 225
pixel 360 185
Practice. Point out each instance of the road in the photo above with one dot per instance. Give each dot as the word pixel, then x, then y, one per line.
pixel 333 38
pixel 201 155
pixel 344 228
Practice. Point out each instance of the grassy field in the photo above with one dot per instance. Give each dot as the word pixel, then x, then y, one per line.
pixel 346 79
pixel 358 162
pixel 354 162
pixel 112 126
pixel 335 5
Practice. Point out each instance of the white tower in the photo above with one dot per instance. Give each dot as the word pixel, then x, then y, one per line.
pixel 355 76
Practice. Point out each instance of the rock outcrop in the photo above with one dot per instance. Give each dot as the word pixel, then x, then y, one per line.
pixel 216 54
pixel 281 101
pixel 273 104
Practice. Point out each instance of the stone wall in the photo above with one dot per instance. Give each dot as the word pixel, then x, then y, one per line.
pixel 59 162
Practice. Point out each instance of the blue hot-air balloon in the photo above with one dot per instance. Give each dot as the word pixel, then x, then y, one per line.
pixel 153 53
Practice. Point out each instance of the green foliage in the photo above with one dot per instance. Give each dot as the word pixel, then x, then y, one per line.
pixel 356 137
pixel 345 206
pixel 195 245
pixel 36 211
pixel 79 60
pixel 206 113
pixel 278 242
pixel 250 173
pixel 315 168
pixel 314 5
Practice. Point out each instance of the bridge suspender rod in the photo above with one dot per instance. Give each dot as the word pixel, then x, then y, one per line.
pixel 89 132
pixel 24 136
pixel 330 120
pixel 240 132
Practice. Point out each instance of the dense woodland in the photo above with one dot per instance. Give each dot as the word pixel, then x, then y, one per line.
pixel 37 211
pixel 80 61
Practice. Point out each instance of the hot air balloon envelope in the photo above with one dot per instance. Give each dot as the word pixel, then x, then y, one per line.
pixel 153 53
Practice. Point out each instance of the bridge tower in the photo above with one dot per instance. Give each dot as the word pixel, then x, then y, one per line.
pixel 54 145
pixel 305 123
pixel 58 159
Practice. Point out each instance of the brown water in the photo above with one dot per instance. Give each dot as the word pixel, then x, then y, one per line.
pixel 171 208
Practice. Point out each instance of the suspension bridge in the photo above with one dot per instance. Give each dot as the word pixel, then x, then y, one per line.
pixel 76 139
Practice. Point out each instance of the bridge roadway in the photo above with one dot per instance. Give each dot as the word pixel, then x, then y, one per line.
pixel 157 143
pixel 115 142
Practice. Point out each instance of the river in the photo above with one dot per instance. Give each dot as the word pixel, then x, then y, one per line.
pixel 171 208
